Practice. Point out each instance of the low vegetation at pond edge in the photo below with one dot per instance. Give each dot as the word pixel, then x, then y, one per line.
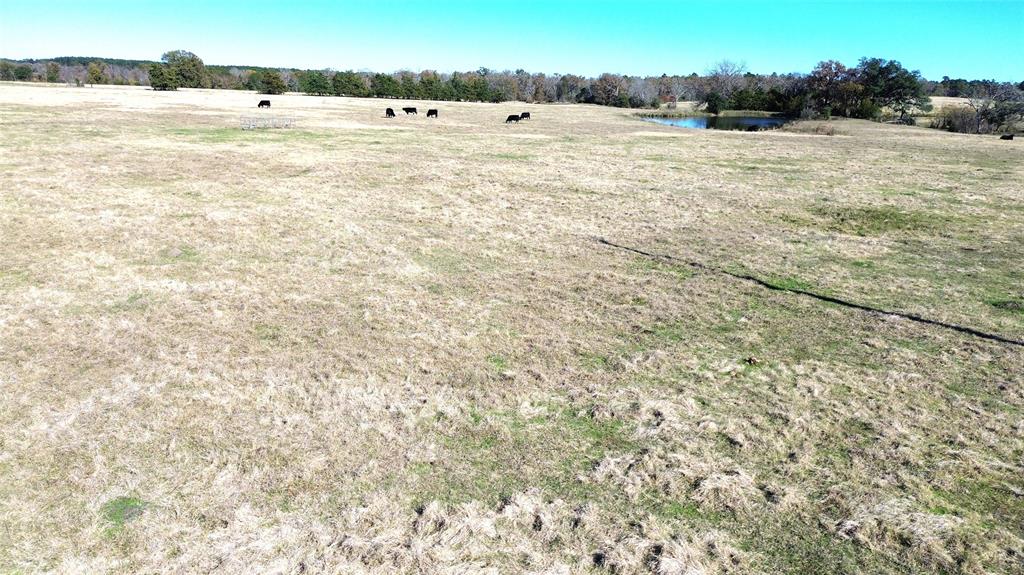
pixel 398 345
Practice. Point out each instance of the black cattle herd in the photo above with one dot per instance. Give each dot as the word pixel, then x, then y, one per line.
pixel 431 113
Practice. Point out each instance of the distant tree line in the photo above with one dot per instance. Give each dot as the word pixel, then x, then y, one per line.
pixel 960 88
pixel 176 69
pixel 874 89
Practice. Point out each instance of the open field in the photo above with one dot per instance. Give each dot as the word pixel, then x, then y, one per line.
pixel 396 346
pixel 940 102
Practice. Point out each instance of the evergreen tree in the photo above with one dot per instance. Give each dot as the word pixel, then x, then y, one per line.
pixel 715 102
pixel 385 86
pixel 272 83
pixel 96 73
pixel 52 72
pixel 349 83
pixel 430 86
pixel 315 83
pixel 188 67
pixel 888 84
pixel 409 88
pixel 163 77
pixel 23 72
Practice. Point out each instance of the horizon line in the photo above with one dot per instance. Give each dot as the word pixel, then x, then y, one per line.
pixel 450 71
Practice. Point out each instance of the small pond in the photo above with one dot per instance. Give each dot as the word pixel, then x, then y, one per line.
pixel 721 122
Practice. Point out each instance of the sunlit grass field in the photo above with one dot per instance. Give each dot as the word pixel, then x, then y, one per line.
pixel 369 345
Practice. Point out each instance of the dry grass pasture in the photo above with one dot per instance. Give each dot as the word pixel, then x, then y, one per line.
pixel 396 346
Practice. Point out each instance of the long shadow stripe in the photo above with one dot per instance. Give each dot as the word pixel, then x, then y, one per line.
pixel 820 297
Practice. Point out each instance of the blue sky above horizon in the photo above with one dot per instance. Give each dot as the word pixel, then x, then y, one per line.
pixel 965 38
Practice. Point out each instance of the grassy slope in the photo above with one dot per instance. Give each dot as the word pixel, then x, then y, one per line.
pixel 369 345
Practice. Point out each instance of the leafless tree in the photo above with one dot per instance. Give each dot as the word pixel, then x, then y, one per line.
pixel 727 76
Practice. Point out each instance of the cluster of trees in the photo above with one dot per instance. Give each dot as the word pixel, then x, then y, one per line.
pixel 961 88
pixel 480 86
pixel 486 85
pixel 183 69
pixel 863 91
pixel 9 71
pixel 873 87
pixel 980 116
pixel 75 70
pixel 996 108
pixel 175 69
pixel 178 68
pixel 990 106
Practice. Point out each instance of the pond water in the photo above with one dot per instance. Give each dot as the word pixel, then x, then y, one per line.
pixel 721 122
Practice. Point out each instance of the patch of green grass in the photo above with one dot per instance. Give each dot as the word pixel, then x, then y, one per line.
pixel 681 510
pixel 893 191
pixel 657 336
pixel 789 283
pixel 781 167
pixel 120 511
pixel 923 345
pixel 669 332
pixel 1013 306
pixel 686 512
pixel 594 361
pixel 989 497
pixel 858 431
pixel 982 394
pixel 134 302
pixel 178 254
pixel 659 158
pixel 794 220
pixel 550 450
pixel 14 278
pixel 210 135
pixel 648 265
pixel 605 433
pixel 498 362
pixel 877 220
pixel 268 332
pixel 453 262
pixel 511 156
pixel 790 544
pixel 221 135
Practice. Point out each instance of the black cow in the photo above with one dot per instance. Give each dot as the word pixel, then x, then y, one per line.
pixel 389 113
pixel 431 113
pixel 754 128
pixel 1006 137
pixel 512 118
pixel 524 116
pixel 409 111
pixel 263 104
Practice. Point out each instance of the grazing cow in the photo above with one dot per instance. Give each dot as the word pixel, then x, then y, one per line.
pixel 512 118
pixel 409 111
pixel 524 116
pixel 389 113
pixel 753 128
pixel 1006 137
pixel 263 104
pixel 431 113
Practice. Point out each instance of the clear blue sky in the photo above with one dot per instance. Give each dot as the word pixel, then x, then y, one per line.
pixel 971 39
